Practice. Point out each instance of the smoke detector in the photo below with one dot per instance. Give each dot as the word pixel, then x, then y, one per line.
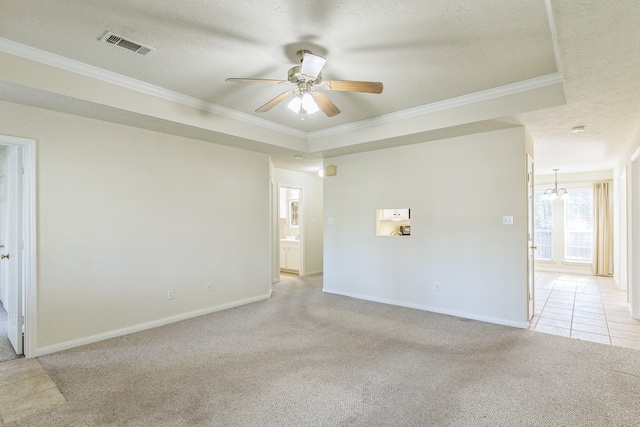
pixel 128 44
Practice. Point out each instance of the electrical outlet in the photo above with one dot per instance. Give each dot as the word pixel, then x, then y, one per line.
pixel 208 287
pixel 170 294
pixel 437 286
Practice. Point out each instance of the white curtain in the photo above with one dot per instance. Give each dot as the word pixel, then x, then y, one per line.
pixel 602 264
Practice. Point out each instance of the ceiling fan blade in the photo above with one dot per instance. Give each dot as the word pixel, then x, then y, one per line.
pixel 325 104
pixel 275 101
pixel 312 65
pixel 242 80
pixel 352 86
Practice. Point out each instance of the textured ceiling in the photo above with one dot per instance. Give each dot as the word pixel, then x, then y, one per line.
pixel 423 52
pixel 599 44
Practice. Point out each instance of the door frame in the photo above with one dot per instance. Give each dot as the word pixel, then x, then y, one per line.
pixel 29 285
pixel 531 274
pixel 633 246
pixel 301 190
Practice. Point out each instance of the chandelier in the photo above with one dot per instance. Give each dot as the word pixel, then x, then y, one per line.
pixel 555 192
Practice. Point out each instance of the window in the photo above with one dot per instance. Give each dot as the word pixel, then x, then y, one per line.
pixel 578 219
pixel 543 226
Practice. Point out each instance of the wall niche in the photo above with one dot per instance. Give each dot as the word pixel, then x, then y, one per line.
pixel 393 222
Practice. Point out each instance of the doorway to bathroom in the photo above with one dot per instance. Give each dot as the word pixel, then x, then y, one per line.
pixel 290 231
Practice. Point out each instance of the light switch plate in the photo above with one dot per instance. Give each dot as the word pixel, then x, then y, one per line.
pixel 507 220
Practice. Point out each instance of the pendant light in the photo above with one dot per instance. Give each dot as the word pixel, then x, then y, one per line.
pixel 555 192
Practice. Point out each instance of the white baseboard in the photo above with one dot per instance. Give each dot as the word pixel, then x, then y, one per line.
pixel 41 351
pixel 504 322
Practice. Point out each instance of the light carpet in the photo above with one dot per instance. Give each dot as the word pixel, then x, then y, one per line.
pixel 304 358
pixel 6 350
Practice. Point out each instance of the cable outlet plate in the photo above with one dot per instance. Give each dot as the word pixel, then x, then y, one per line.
pixel 208 287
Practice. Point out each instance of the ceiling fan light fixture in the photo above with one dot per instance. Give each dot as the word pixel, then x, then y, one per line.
pixel 311 65
pixel 308 103
pixel 295 104
pixel 303 104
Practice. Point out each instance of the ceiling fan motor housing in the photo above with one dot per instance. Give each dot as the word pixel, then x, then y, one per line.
pixel 295 76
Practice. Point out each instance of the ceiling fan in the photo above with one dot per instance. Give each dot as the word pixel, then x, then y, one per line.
pixel 307 77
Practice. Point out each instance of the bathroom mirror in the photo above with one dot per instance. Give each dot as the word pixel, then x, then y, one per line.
pixel 294 216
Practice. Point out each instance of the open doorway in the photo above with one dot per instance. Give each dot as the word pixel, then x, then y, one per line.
pixel 17 246
pixel 290 231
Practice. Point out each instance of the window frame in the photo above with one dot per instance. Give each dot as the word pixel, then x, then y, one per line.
pixel 578 234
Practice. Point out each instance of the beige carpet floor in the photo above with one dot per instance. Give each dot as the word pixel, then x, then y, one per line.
pixel 304 358
pixel 6 350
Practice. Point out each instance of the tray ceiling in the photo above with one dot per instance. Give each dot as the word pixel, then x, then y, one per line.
pixel 425 53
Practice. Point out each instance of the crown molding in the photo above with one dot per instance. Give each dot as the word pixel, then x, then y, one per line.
pixel 554 34
pixel 485 95
pixel 58 61
pixel 64 63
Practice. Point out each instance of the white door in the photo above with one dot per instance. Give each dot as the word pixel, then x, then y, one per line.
pixel 4 272
pixel 532 247
pixel 10 253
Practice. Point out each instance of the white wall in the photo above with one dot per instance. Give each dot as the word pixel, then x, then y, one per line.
pixel 620 226
pixel 631 218
pixel 458 191
pixel 126 214
pixel 568 181
pixel 312 193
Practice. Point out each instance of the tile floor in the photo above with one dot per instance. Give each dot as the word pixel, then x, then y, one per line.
pixel 585 307
pixel 25 389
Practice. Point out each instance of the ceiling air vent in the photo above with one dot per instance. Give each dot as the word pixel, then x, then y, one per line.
pixel 117 40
